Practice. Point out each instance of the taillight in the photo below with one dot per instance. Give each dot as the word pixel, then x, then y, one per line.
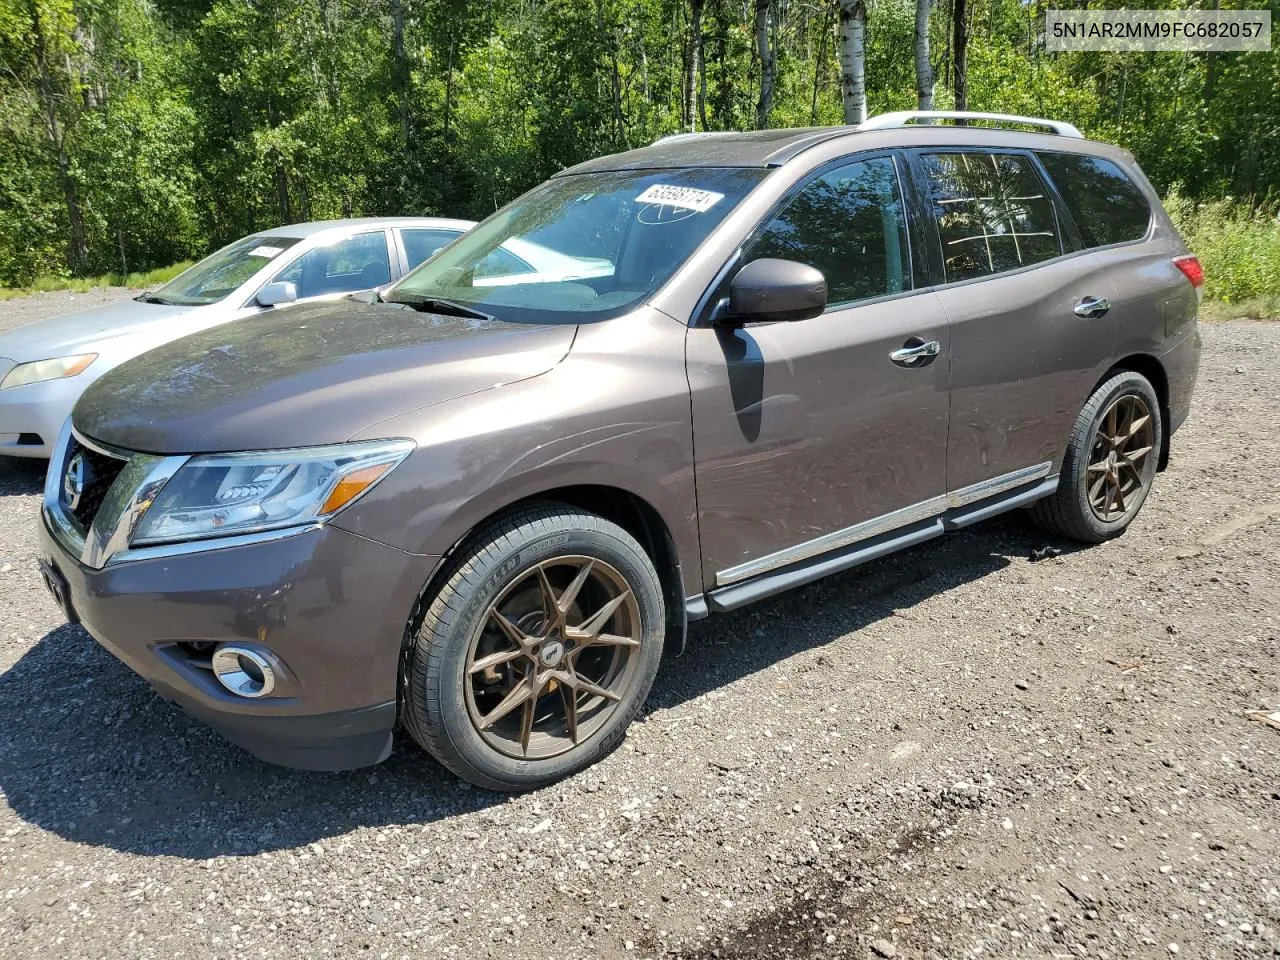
pixel 1190 266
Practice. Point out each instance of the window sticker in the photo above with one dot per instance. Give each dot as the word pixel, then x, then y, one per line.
pixel 266 252
pixel 688 198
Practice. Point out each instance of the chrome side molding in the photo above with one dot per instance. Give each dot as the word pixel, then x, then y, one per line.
pixel 877 526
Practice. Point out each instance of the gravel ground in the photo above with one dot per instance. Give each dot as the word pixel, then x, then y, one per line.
pixel 952 752
pixel 14 313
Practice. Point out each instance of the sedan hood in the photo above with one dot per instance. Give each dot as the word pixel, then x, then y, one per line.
pixel 307 376
pixel 81 331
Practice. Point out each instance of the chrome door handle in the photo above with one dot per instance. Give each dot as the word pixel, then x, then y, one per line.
pixel 915 352
pixel 1091 307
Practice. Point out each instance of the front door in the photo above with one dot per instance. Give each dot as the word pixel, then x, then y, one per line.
pixel 807 429
pixel 1030 319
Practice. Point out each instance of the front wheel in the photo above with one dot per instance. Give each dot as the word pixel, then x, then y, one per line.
pixel 1110 462
pixel 537 651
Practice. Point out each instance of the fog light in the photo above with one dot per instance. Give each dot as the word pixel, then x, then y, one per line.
pixel 244 672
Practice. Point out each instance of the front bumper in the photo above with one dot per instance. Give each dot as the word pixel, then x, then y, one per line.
pixel 37 410
pixel 328 607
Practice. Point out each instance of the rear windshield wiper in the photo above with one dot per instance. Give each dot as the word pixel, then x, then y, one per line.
pixel 153 298
pixel 437 305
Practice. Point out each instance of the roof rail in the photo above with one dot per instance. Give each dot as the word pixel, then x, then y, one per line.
pixel 697 135
pixel 903 118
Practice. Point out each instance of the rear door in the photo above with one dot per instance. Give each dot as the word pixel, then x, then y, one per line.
pixel 1155 305
pixel 811 436
pixel 1028 312
pixel 420 243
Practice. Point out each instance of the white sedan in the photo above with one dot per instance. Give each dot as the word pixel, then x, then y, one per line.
pixel 45 366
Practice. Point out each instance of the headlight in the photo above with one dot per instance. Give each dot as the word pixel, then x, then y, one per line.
pixel 225 494
pixel 55 369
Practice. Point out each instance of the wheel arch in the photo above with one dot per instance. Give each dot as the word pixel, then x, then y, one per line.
pixel 634 513
pixel 1151 368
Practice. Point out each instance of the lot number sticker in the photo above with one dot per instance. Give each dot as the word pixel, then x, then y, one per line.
pixel 688 198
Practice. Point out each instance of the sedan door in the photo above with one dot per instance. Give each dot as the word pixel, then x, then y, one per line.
pixel 341 266
pixel 817 435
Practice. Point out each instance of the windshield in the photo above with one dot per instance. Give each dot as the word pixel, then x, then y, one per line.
pixel 581 248
pixel 218 274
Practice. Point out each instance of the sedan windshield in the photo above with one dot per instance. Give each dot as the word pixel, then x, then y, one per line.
pixel 219 274
pixel 580 248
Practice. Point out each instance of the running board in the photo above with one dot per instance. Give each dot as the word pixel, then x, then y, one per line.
pixel 769 584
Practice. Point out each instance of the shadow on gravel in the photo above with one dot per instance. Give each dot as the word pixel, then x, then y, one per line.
pixel 89 752
pixel 19 477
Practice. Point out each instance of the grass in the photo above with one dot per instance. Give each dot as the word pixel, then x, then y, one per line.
pixel 1239 247
pixel 149 278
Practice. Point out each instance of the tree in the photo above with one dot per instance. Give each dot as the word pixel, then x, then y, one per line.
pixel 695 106
pixel 142 132
pixel 768 63
pixel 960 55
pixel 853 59
pixel 924 70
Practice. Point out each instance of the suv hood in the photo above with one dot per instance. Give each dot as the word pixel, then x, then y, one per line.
pixel 81 331
pixel 307 376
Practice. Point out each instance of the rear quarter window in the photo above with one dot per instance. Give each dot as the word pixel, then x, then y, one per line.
pixel 992 210
pixel 1106 205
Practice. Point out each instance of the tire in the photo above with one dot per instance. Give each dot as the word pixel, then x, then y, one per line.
pixel 493 606
pixel 1074 511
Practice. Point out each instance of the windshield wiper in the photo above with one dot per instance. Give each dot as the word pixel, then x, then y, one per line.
pixel 438 305
pixel 153 298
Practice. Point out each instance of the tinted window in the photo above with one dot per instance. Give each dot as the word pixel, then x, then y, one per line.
pixel 849 223
pixel 420 244
pixel 356 263
pixel 1106 205
pixel 992 211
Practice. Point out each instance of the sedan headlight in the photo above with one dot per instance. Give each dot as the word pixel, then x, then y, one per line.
pixel 220 495
pixel 55 369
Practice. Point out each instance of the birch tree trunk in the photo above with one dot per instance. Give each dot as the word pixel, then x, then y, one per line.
pixel 853 59
pixel 924 70
pixel 768 64
pixel 693 97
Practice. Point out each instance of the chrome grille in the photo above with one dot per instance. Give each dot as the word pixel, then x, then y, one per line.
pixel 83 500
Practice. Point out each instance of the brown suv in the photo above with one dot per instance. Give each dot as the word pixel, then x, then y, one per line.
pixel 481 505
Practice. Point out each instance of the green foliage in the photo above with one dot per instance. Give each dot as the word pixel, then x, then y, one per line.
pixel 140 132
pixel 1239 247
pixel 136 281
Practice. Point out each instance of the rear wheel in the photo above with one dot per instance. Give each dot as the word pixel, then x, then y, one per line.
pixel 537 651
pixel 1110 462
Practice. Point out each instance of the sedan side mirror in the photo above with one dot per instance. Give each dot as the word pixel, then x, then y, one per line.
pixel 277 293
pixel 769 290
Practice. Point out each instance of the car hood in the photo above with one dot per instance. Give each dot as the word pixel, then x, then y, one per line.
pixel 307 376
pixel 80 332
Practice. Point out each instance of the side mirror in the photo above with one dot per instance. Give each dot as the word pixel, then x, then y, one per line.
pixel 768 290
pixel 277 293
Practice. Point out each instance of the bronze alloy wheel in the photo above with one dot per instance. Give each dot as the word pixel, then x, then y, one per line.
pixel 553 656
pixel 1121 464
